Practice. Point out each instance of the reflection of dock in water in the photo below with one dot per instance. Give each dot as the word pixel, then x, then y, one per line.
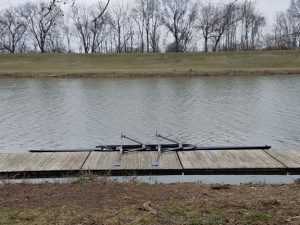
pixel 232 162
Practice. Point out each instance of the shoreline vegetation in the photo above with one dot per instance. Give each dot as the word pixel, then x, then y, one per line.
pixel 91 202
pixel 150 65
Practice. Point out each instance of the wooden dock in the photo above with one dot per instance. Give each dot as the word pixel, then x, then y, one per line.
pixel 215 162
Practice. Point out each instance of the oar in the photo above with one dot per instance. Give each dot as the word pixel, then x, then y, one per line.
pixel 168 139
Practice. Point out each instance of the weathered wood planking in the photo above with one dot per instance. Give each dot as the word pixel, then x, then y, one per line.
pixel 138 162
pixel 231 162
pixel 38 162
pixel 290 158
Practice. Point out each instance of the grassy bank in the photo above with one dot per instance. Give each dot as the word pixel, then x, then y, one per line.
pixel 197 64
pixel 91 202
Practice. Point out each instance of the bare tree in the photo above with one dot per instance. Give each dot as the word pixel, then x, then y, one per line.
pixel 155 26
pixel 139 16
pixel 252 22
pixel 55 42
pixel 295 8
pixel 226 19
pixel 54 3
pixel 144 25
pixel 118 21
pixel 89 27
pixel 41 19
pixel 82 23
pixel 259 21
pixel 178 17
pixel 281 32
pixel 146 14
pixel 12 28
pixel 98 26
pixel 293 15
pixel 287 28
pixel 66 29
pixel 207 22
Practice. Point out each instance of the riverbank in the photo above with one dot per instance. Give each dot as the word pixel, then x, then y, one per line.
pixel 102 202
pixel 164 64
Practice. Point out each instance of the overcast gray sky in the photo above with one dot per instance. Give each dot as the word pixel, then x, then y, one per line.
pixel 268 7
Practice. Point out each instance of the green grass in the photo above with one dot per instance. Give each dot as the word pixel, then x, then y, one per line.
pixel 258 62
pixel 188 213
pixel 255 217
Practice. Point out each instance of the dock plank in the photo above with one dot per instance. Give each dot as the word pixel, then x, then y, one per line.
pixel 138 161
pixel 231 161
pixel 37 162
pixel 290 158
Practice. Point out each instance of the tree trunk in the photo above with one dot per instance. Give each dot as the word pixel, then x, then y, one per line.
pixel 205 44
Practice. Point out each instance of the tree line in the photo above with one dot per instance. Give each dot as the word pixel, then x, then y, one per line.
pixel 145 26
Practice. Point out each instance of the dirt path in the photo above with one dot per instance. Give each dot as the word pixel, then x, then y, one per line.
pixel 100 202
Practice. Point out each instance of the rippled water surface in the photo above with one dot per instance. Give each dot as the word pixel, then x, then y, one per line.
pixel 71 113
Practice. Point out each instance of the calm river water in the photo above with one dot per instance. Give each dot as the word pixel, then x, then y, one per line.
pixel 76 113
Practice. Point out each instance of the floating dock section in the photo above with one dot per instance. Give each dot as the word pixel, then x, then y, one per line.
pixel 203 162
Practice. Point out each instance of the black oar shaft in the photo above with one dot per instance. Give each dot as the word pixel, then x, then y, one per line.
pixel 168 139
pixel 232 147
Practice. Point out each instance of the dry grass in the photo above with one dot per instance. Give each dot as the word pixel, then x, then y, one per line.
pixel 91 202
pixel 223 63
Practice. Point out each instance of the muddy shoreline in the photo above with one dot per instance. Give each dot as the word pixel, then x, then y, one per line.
pixel 191 73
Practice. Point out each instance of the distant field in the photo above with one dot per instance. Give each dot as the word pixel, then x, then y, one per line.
pixel 223 63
